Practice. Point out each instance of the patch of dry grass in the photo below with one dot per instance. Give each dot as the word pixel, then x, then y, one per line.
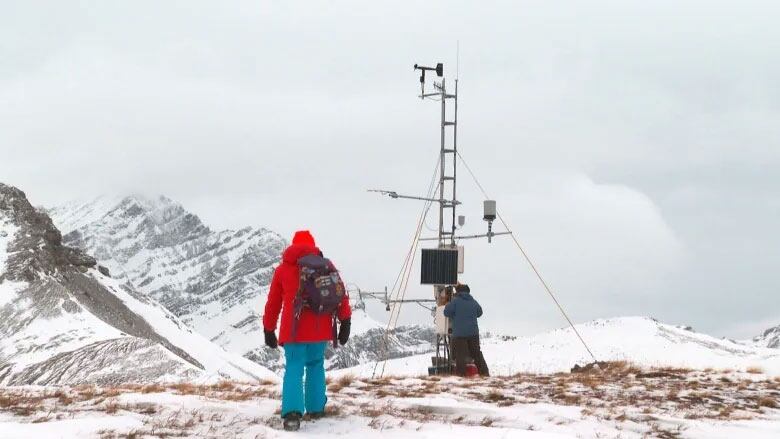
pixel 6 401
pixel 152 388
pixel 111 406
pixel 767 401
pixel 187 389
pixel 487 421
pixel 341 382
pixel 754 370
pixel 224 386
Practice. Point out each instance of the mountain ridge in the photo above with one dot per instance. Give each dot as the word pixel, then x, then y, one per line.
pixel 216 281
pixel 64 321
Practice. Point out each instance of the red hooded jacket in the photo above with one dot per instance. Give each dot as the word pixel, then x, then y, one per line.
pixel 284 287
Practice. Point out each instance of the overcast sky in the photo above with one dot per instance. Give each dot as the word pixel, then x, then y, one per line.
pixel 634 147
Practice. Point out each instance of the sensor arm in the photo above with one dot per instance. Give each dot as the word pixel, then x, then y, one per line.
pixel 394 194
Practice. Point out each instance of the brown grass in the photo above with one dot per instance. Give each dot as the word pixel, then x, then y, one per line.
pixel 111 393
pixel 63 398
pixel 224 386
pixel 153 388
pixel 237 396
pixel 341 382
pixel 370 412
pixel 111 407
pixel 755 370
pixel 346 380
pixel 487 421
pixel 767 401
pixel 141 408
pixel 186 389
pixel 23 404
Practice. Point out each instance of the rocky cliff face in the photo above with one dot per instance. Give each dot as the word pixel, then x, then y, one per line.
pixel 215 281
pixel 62 320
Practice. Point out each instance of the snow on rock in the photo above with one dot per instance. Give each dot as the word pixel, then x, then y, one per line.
pixel 7 234
pixel 62 321
pixel 214 281
pixel 639 340
pixel 770 338
pixel 217 363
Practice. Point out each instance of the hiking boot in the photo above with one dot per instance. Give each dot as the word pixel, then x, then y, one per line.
pixel 292 421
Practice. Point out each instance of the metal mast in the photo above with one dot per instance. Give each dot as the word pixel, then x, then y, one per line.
pixel 447 155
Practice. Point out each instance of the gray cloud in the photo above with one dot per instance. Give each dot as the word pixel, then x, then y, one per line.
pixel 633 145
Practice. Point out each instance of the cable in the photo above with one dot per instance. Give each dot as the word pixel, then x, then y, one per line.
pixel 405 273
pixel 528 259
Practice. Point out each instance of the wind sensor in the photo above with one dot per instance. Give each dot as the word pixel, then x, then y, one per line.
pixel 439 69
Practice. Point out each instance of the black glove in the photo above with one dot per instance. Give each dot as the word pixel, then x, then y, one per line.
pixel 270 339
pixel 344 331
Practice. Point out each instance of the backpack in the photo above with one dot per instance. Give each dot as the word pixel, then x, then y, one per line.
pixel 320 289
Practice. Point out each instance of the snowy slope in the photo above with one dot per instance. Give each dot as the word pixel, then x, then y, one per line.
pixel 212 280
pixel 640 340
pixel 770 338
pixel 62 321
pixel 215 281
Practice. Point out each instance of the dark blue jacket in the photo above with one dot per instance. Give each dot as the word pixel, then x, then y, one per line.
pixel 464 311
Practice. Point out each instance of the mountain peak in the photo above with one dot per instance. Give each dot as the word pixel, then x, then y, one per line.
pixel 37 249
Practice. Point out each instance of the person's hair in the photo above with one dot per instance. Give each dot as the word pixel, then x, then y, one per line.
pixel 463 288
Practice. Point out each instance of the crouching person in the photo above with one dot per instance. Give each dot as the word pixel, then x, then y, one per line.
pixel 464 311
pixel 308 292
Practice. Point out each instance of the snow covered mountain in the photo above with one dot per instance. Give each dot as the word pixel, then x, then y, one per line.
pixel 367 342
pixel 64 321
pixel 640 340
pixel 215 281
pixel 212 280
pixel 770 338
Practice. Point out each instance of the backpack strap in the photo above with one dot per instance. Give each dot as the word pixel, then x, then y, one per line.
pixel 334 332
pixel 297 306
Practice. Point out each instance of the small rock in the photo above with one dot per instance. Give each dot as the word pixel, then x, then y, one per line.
pixel 104 271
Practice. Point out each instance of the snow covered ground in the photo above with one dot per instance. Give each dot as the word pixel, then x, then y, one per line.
pixel 640 340
pixel 619 400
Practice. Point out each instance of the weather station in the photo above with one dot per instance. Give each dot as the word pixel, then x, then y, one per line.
pixel 440 264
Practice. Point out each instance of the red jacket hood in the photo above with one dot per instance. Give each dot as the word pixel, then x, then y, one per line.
pixel 297 251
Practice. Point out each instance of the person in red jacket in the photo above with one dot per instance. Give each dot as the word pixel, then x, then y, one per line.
pixel 304 347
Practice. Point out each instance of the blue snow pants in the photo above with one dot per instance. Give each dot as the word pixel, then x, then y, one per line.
pixel 311 358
